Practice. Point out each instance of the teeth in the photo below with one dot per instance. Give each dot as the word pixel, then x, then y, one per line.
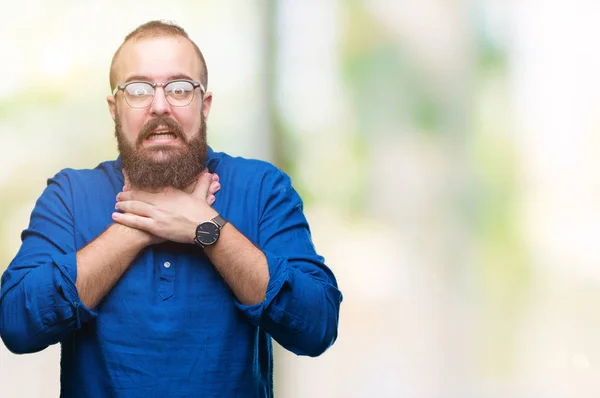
pixel 161 136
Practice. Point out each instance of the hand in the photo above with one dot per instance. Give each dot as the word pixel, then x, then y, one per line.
pixel 171 214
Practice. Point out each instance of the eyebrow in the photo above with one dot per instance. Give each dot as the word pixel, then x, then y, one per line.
pixel 147 79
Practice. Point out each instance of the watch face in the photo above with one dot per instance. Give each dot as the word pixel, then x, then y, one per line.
pixel 207 233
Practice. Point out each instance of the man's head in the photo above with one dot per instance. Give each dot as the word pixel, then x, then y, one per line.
pixel 161 130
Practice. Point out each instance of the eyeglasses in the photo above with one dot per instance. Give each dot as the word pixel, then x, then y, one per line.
pixel 139 94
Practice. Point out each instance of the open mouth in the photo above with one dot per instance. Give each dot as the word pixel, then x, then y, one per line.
pixel 161 133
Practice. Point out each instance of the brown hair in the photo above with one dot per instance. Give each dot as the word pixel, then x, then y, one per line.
pixel 158 29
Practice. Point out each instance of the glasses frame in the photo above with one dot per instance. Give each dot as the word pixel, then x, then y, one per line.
pixel 122 87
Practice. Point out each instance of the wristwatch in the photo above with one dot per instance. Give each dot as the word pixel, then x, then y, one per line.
pixel 207 232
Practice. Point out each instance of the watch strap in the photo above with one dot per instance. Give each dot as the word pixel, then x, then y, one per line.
pixel 220 221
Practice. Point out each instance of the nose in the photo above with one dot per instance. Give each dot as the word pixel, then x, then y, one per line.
pixel 159 106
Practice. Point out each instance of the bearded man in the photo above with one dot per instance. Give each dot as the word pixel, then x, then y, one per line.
pixel 166 272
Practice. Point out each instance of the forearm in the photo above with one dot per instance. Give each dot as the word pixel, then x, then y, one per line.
pixel 103 261
pixel 39 304
pixel 241 264
pixel 296 299
pixel 301 309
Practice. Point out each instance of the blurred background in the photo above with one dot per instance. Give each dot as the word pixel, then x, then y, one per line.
pixel 447 152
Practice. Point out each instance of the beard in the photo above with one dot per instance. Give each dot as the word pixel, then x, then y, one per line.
pixel 162 166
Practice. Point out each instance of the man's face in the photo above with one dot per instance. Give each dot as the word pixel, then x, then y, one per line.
pixel 160 145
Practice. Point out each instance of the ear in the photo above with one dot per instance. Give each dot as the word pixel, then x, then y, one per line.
pixel 112 106
pixel 206 104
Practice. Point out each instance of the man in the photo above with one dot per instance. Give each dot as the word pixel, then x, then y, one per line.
pixel 158 278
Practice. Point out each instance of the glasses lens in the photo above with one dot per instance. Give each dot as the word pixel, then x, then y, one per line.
pixel 139 95
pixel 179 93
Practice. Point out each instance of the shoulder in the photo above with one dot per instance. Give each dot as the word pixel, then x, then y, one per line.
pixel 253 176
pixel 102 171
pixel 238 165
pixel 73 182
pixel 240 170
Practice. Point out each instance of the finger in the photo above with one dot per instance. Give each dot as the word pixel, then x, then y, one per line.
pixel 210 199
pixel 215 177
pixel 125 195
pixel 202 186
pixel 134 221
pixel 136 207
pixel 140 196
pixel 214 188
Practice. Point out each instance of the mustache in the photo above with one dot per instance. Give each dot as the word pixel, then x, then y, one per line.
pixel 171 124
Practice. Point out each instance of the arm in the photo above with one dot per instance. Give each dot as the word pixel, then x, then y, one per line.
pixel 39 303
pixel 104 260
pixel 174 215
pixel 48 289
pixel 102 263
pixel 44 307
pixel 301 307
pixel 243 266
pixel 284 287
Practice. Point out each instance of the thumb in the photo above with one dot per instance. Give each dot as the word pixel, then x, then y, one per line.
pixel 202 185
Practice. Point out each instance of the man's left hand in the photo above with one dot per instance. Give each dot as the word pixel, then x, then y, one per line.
pixel 170 214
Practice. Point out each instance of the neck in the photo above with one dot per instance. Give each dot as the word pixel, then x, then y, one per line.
pixel 188 189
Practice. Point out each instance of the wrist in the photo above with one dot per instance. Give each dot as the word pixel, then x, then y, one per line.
pixel 134 238
pixel 208 232
pixel 196 220
pixel 206 215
